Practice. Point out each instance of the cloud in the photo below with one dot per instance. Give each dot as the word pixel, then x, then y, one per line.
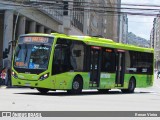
pixel 140 25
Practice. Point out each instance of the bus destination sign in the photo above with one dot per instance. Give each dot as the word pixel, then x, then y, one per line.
pixel 35 39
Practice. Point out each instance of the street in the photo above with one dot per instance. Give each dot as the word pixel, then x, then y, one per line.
pixel 25 99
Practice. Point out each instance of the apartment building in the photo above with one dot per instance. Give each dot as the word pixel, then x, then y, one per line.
pixel 95 18
pixel 155 40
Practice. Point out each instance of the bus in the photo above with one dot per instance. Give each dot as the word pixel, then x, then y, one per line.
pixel 75 63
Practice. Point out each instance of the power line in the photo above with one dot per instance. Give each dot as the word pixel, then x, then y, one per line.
pixel 94 9
pixel 91 3
pixel 60 2
pixel 76 6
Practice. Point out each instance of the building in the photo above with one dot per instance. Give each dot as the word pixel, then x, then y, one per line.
pixel 123 29
pixel 77 17
pixel 97 19
pixel 155 40
pixel 152 38
pixel 152 35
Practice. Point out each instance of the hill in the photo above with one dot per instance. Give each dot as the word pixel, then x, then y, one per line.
pixel 138 41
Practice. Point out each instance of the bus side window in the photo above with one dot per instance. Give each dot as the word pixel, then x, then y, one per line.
pixel 77 56
pixel 55 64
pixel 61 59
pixel 108 61
pixel 68 56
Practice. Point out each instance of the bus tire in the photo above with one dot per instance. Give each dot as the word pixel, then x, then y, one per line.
pixel 103 91
pixel 77 86
pixel 42 90
pixel 131 86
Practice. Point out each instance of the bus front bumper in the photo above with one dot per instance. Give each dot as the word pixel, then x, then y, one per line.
pixel 33 83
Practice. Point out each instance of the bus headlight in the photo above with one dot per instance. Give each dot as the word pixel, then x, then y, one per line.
pixel 14 75
pixel 44 76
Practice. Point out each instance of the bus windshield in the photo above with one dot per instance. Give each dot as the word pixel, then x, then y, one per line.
pixel 32 56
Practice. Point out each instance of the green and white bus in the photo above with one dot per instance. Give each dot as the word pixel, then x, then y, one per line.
pixel 75 63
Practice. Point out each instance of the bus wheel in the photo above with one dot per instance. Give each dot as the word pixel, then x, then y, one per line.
pixel 77 86
pixel 131 86
pixel 42 90
pixel 103 91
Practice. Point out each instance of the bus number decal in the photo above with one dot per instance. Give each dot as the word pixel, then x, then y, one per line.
pixel 104 75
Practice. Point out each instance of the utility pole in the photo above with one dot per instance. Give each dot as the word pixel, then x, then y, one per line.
pixel 13 42
pixel 12 46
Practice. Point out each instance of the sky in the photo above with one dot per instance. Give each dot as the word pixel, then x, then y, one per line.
pixel 141 25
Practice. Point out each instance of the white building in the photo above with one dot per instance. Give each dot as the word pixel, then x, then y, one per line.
pixel 155 40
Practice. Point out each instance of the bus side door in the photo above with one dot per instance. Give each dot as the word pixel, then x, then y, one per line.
pixel 95 67
pixel 120 68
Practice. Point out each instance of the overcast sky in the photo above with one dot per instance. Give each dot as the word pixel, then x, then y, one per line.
pixel 141 25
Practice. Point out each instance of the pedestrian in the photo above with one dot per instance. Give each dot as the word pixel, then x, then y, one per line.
pixel 8 82
pixel 158 74
pixel 3 76
pixel 1 81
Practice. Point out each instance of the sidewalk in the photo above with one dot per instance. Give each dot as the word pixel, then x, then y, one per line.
pixel 3 86
pixel 11 87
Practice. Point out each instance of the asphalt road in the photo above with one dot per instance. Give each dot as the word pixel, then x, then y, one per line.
pixel 24 99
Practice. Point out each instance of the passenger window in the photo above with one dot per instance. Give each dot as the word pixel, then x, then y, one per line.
pixel 108 60
pixel 61 62
pixel 68 55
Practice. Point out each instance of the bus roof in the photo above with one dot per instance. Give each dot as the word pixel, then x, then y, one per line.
pixel 36 34
pixel 104 42
pixel 96 41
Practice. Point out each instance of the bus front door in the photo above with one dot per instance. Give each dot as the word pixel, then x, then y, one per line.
pixel 120 68
pixel 95 59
